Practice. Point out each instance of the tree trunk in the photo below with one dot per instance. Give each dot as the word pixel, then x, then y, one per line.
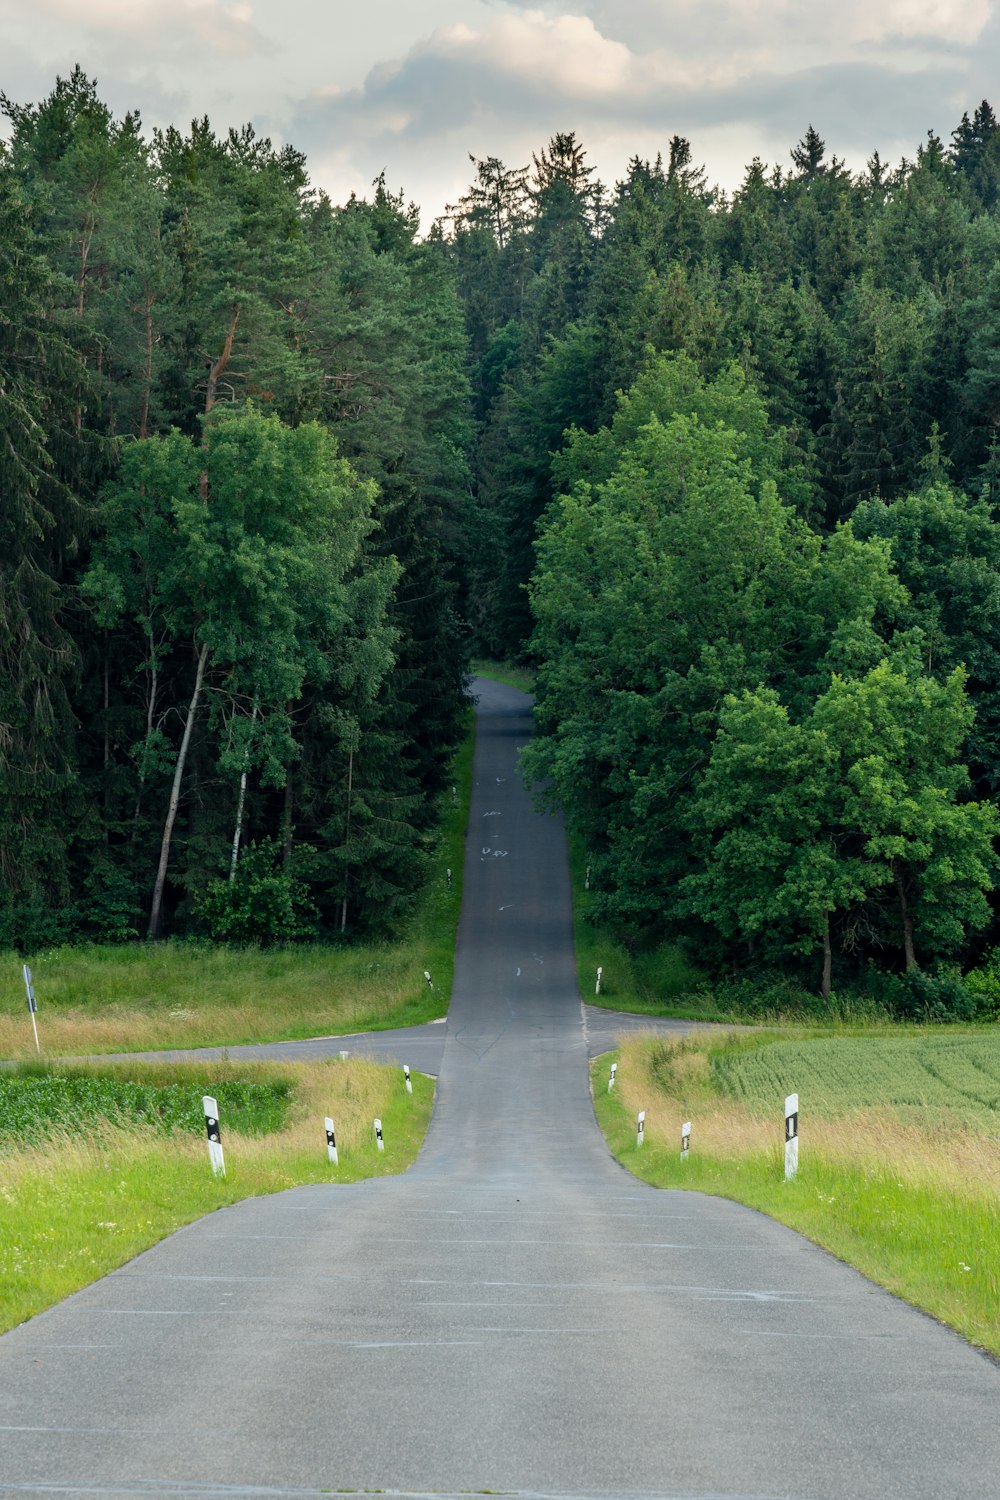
pixel 218 369
pixel 152 681
pixel 107 733
pixel 156 911
pixel 911 957
pixel 825 987
pixel 347 838
pixel 286 822
pixel 147 374
pixel 241 801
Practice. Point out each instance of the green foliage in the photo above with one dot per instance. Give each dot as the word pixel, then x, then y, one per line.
pixel 738 713
pixel 262 903
pixel 983 984
pixel 36 1104
pixel 261 624
pixel 919 996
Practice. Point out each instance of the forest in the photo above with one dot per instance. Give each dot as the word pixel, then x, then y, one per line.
pixel 723 468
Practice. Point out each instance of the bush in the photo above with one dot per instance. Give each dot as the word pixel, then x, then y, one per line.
pixel 112 913
pixel 264 903
pixel 983 985
pixel 919 996
pixel 757 996
pixel 29 926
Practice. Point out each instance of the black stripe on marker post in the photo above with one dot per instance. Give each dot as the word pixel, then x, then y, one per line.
pixel 791 1136
pixel 213 1131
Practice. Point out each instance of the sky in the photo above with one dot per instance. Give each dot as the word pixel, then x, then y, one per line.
pixel 413 87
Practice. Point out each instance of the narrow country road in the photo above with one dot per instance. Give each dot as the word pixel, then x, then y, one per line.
pixel 515 1313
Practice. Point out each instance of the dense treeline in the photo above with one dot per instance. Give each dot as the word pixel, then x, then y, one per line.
pixel 725 467
pixel 234 425
pixel 737 458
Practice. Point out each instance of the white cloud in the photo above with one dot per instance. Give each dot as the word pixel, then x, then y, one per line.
pixel 784 29
pixel 225 26
pixel 565 52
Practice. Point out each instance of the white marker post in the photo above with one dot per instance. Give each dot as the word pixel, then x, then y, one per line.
pixel 331 1142
pixel 640 1122
pixel 685 1139
pixel 611 1080
pixel 791 1136
pixel 406 1075
pixel 597 986
pixel 32 1004
pixel 215 1156
pixel 448 873
pixel 344 1056
pixel 378 1135
pixel 427 976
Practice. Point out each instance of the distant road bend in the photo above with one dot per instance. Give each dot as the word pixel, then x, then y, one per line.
pixel 515 1313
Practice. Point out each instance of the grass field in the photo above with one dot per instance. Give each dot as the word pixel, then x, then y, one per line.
pixel 154 996
pixel 82 1201
pixel 899 1142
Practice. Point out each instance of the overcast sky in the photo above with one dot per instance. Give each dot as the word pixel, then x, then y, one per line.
pixel 414 86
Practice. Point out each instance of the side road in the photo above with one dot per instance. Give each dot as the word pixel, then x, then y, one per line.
pixel 420 1046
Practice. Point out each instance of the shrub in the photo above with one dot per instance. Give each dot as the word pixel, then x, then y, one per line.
pixel 264 903
pixel 983 985
pixel 919 996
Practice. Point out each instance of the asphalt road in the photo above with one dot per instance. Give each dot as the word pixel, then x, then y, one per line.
pixel 515 1313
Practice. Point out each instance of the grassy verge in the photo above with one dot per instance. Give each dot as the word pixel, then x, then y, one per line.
pixel 905 1189
pixel 75 1206
pixel 147 997
pixel 507 672
pixel 656 981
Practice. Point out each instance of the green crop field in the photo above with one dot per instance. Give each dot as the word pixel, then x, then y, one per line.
pixel 36 1104
pixel 926 1079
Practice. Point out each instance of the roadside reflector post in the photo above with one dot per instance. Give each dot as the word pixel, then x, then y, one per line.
pixel 215 1156
pixel 427 976
pixel 640 1122
pixel 378 1135
pixel 791 1136
pixel 685 1139
pixel 611 1080
pixel 331 1141
pixel 344 1056
pixel 32 1003
pixel 597 986
pixel 406 1075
